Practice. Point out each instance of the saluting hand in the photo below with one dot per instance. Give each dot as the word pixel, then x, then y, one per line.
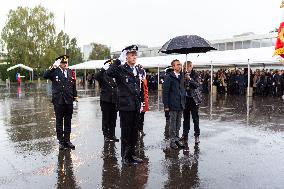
pixel 56 63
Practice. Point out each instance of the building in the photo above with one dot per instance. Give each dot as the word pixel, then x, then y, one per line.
pixel 246 41
pixel 87 49
pixel 242 41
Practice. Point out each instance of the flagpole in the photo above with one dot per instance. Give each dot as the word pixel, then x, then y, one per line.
pixel 64 35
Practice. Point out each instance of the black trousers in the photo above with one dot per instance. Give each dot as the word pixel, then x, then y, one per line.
pixel 63 112
pixel 109 115
pixel 190 107
pixel 141 121
pixel 129 123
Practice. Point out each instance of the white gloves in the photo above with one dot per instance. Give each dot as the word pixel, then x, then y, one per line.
pixel 56 63
pixel 283 97
pixel 122 56
pixel 106 66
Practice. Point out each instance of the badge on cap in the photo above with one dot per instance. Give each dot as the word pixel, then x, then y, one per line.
pixel 131 48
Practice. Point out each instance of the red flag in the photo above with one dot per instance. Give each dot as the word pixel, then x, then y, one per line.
pixel 279 47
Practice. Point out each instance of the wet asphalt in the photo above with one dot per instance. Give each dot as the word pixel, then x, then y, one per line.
pixel 242 145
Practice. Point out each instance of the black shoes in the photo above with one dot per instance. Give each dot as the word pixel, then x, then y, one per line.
pixel 69 145
pixel 64 141
pixel 142 133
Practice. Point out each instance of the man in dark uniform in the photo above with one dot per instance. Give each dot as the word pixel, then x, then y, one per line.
pixel 193 99
pixel 63 94
pixel 130 97
pixel 108 102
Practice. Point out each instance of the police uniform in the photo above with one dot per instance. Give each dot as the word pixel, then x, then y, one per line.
pixel 130 96
pixel 108 102
pixel 63 94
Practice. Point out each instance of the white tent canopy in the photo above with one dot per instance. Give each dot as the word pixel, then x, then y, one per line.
pixel 24 67
pixel 216 58
pixel 20 66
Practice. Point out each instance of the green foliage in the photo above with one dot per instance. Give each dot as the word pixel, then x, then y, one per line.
pixel 99 52
pixel 27 34
pixel 30 39
pixel 74 52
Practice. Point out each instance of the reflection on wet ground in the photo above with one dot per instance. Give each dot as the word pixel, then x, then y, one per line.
pixel 241 145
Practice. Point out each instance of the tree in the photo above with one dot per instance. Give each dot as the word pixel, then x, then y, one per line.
pixel 30 38
pixel 28 34
pixel 99 52
pixel 74 52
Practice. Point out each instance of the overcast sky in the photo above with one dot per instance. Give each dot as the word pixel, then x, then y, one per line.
pixel 118 23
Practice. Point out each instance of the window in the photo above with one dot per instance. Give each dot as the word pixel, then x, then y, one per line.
pixel 246 44
pixel 221 47
pixel 266 43
pixel 255 43
pixel 230 46
pixel 238 45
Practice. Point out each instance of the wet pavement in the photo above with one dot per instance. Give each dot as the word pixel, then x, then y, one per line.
pixel 242 145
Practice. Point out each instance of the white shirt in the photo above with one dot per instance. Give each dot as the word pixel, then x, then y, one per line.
pixel 64 72
pixel 134 70
pixel 177 74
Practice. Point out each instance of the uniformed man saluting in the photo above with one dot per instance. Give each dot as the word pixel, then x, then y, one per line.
pixel 63 94
pixel 130 97
pixel 108 102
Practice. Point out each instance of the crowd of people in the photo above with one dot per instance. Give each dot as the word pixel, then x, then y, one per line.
pixel 235 82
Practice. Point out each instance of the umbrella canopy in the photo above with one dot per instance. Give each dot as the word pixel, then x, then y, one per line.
pixel 186 44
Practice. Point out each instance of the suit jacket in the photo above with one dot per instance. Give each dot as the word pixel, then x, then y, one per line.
pixel 174 92
pixel 63 89
pixel 192 87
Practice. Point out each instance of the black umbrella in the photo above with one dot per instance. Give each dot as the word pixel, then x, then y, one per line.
pixel 186 44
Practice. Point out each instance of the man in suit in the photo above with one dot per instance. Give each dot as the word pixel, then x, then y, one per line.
pixel 63 94
pixel 174 101
pixel 130 98
pixel 193 99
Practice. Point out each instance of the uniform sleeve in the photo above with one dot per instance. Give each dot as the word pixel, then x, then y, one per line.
pixel 114 70
pixel 166 92
pixel 99 76
pixel 48 74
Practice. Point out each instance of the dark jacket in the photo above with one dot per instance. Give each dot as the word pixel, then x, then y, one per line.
pixel 174 92
pixel 130 95
pixel 108 87
pixel 63 89
pixel 192 87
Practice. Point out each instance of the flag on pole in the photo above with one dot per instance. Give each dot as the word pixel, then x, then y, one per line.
pixel 279 47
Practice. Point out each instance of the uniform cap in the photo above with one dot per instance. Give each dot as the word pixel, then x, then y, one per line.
pixel 131 48
pixel 63 58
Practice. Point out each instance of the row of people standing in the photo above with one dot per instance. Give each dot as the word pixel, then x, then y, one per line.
pixel 235 82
